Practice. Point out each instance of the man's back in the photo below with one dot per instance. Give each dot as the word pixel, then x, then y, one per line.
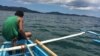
pixel 10 28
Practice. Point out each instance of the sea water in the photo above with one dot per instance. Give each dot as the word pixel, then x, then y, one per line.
pixel 48 26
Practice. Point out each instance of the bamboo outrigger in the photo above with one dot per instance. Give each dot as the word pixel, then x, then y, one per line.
pixel 36 49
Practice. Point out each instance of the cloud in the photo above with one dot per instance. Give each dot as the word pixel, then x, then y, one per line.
pixel 79 8
pixel 93 1
pixel 55 1
pixel 83 5
pixel 23 2
pixel 77 3
pixel 71 4
pixel 47 1
pixel 26 1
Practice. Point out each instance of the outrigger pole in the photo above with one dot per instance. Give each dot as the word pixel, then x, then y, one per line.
pixel 43 42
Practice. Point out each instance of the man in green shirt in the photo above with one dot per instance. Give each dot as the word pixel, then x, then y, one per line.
pixel 13 28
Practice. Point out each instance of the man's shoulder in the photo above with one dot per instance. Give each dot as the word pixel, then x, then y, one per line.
pixel 20 19
pixel 12 17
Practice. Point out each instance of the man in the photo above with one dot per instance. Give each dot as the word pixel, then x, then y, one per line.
pixel 13 28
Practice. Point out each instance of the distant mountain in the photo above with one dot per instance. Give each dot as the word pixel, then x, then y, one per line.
pixel 58 13
pixel 32 11
pixel 55 13
pixel 16 8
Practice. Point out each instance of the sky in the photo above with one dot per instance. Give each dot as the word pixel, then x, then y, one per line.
pixel 81 7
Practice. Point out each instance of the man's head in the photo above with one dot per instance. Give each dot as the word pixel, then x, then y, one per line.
pixel 19 13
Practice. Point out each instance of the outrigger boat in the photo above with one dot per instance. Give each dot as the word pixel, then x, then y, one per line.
pixel 32 49
pixel 95 36
pixel 36 50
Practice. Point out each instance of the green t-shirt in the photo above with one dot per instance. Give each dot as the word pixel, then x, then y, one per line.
pixel 10 28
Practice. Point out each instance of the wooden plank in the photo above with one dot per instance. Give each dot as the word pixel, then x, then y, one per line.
pixel 45 48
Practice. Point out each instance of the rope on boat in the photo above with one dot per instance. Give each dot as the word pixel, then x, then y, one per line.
pixel 43 42
pixel 29 50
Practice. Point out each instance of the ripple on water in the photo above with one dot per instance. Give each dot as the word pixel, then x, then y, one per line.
pixel 47 26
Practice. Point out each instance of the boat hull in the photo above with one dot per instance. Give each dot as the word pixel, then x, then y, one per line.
pixel 36 50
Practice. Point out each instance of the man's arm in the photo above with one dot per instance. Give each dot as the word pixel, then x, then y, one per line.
pixel 21 29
